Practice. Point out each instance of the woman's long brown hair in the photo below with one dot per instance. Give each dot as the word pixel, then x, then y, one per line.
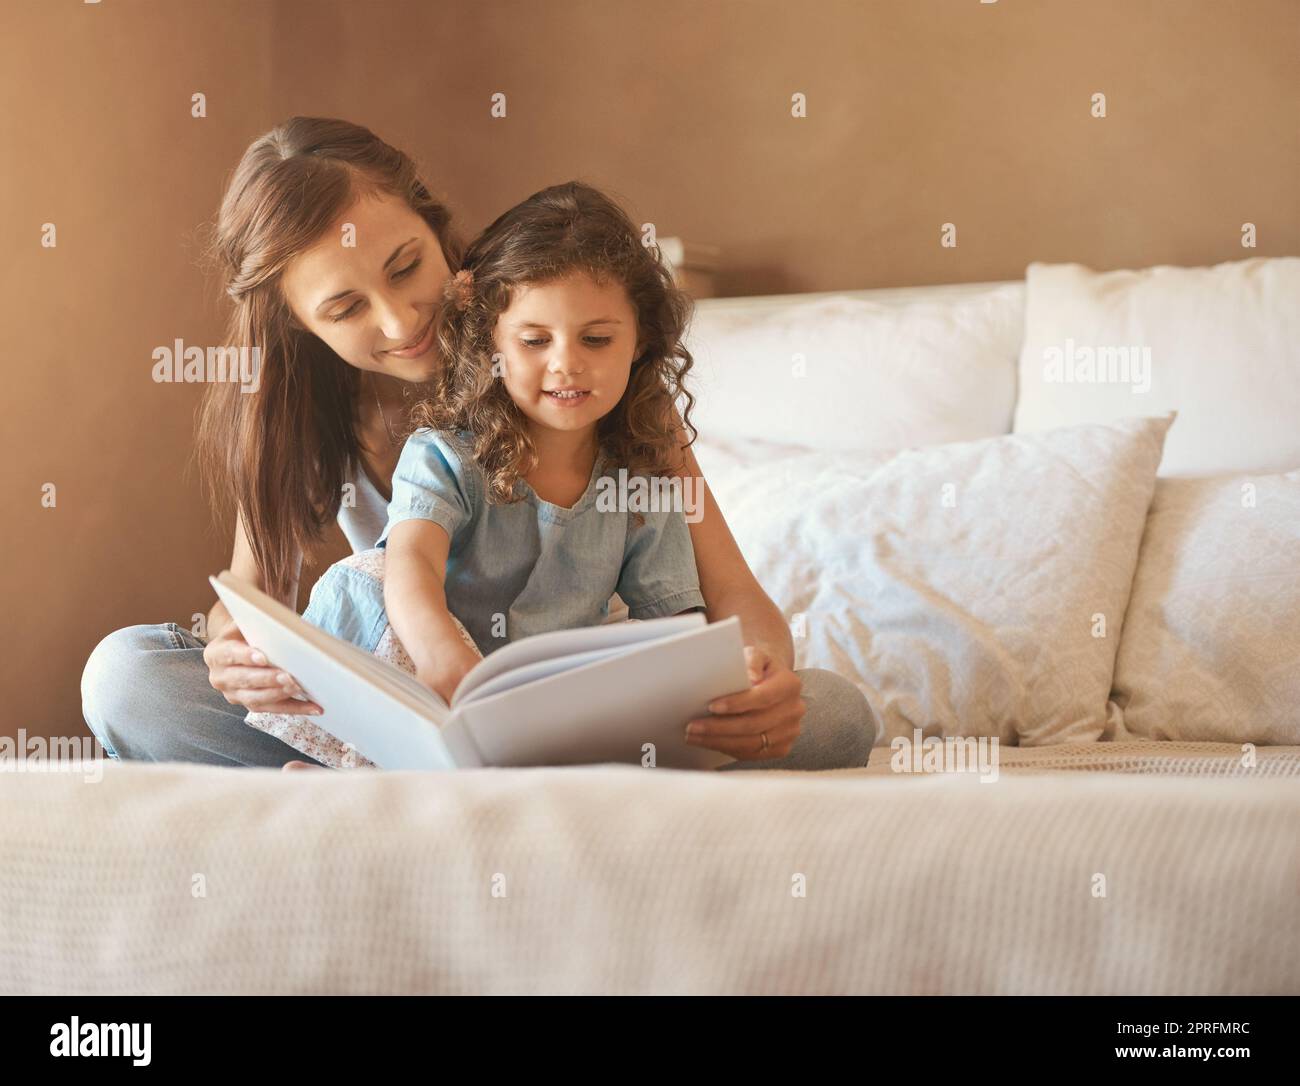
pixel 281 455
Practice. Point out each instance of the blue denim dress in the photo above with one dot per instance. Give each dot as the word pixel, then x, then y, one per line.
pixel 519 569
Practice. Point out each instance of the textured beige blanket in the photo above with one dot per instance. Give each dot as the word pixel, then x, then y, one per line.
pixel 191 879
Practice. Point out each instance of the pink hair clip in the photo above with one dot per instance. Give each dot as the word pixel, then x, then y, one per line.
pixel 460 288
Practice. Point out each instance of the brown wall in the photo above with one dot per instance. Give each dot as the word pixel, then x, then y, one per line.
pixel 919 113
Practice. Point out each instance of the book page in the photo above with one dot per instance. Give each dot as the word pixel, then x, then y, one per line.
pixel 617 708
pixel 540 669
pixel 560 643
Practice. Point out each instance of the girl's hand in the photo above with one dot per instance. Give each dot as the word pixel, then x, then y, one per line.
pixel 245 677
pixel 771 704
pixel 453 662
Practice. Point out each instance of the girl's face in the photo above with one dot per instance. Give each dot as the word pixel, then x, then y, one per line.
pixel 374 302
pixel 569 345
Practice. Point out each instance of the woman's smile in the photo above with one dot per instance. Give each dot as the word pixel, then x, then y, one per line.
pixel 419 347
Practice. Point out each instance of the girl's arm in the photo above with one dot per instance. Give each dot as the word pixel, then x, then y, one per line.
pixel 728 584
pixel 416 601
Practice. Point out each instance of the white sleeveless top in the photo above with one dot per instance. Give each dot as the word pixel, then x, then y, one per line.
pixel 364 522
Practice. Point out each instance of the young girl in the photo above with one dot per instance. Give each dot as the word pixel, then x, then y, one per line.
pixel 562 364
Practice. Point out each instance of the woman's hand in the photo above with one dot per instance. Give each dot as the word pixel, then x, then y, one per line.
pixel 452 661
pixel 243 675
pixel 771 705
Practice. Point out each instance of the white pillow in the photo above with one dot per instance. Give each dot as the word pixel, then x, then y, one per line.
pixel 1223 346
pixel 844 373
pixel 1210 650
pixel 968 589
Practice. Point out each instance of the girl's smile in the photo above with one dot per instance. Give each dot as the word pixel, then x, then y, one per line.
pixel 567 399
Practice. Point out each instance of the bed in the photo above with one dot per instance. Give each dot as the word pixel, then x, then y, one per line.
pixel 1134 868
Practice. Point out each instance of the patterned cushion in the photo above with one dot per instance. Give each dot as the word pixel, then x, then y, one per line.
pixel 1211 640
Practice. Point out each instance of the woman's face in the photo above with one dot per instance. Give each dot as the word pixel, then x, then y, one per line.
pixel 373 299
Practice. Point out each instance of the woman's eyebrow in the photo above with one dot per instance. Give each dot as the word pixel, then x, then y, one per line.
pixel 344 293
pixel 538 324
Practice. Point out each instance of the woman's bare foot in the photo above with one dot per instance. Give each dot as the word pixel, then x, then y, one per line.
pixel 299 765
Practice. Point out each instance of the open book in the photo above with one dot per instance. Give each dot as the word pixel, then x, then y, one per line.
pixel 595 694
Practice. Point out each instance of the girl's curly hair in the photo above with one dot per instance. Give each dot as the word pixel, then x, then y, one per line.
pixel 559 231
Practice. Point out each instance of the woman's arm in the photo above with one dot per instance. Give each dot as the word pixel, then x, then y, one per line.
pixel 241 673
pixel 765 720
pixel 728 584
pixel 244 566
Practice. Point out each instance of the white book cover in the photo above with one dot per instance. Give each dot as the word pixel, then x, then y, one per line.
pixel 596 694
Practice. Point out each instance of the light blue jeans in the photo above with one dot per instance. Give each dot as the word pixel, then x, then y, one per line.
pixel 145 694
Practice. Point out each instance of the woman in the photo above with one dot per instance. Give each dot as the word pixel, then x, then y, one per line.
pixel 335 255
